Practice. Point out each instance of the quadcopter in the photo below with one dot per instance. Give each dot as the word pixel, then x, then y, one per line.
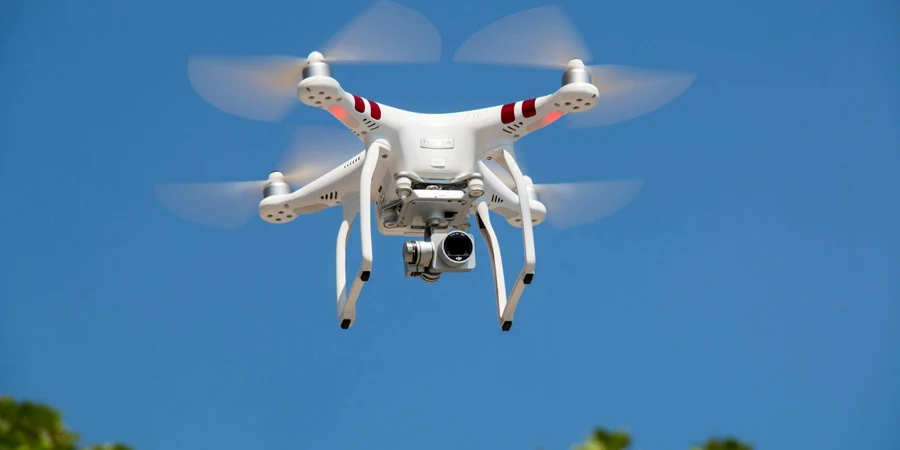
pixel 427 174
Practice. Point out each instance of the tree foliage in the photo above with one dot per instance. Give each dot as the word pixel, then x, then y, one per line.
pixel 603 439
pixel 26 425
pixel 723 444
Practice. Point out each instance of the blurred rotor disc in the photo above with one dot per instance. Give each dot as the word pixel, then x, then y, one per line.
pixel 264 87
pixel 313 151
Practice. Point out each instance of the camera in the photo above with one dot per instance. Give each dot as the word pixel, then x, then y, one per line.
pixel 439 253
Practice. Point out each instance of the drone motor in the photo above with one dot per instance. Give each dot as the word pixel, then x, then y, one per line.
pixel 576 73
pixel 276 185
pixel 316 67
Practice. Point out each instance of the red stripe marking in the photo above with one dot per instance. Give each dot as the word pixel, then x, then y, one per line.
pixel 375 109
pixel 528 109
pixel 508 113
pixel 360 104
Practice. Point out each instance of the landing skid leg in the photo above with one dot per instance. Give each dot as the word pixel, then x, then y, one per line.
pixel 493 246
pixel 346 315
pixel 507 307
pixel 347 302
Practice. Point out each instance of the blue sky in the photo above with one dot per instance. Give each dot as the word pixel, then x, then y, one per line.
pixel 751 289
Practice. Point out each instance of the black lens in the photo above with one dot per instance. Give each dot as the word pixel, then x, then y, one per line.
pixel 458 246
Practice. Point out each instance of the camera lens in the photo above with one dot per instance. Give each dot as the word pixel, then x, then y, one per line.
pixel 458 246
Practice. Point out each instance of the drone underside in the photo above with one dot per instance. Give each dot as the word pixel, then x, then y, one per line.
pixel 427 174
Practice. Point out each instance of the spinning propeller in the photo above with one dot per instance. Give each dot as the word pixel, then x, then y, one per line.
pixel 313 152
pixel 574 204
pixel 548 39
pixel 265 88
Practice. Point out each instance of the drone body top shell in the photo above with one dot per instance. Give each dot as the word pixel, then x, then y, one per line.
pixel 428 149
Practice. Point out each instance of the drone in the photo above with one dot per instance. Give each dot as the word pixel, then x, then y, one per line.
pixel 427 174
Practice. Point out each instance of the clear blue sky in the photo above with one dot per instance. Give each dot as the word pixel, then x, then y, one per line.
pixel 751 289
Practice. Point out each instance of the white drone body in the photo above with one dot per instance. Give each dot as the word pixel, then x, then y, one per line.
pixel 427 175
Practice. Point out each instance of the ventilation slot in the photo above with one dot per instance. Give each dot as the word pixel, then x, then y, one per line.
pixel 329 196
pixel 370 124
pixel 382 192
pixel 354 161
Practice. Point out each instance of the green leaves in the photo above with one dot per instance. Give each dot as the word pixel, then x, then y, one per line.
pixel 603 439
pixel 33 426
pixel 723 444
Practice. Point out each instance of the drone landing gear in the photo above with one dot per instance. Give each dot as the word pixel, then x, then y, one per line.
pixel 506 306
pixel 346 302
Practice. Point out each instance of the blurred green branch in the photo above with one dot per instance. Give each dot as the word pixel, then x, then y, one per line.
pixel 603 439
pixel 28 425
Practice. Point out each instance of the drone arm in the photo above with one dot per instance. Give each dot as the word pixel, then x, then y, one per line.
pixel 509 122
pixel 361 115
pixel 321 193
pixel 503 201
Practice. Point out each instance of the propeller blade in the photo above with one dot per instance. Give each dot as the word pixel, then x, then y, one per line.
pixel 316 150
pixel 313 151
pixel 574 204
pixel 260 88
pixel 220 205
pixel 539 37
pixel 264 88
pixel 548 39
pixel 629 92
pixel 387 32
